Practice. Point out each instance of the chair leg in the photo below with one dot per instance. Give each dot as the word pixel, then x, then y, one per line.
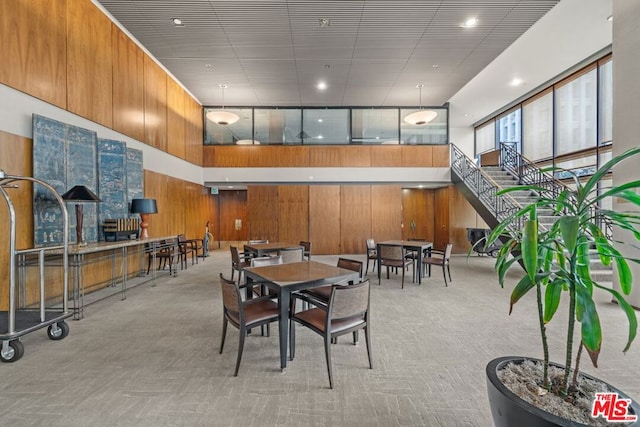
pixel 292 339
pixel 355 338
pixel 149 263
pixel 403 278
pixel 327 353
pixel 367 268
pixel 449 271
pixel 224 333
pixel 444 274
pixel 368 341
pixel 233 270
pixel 243 333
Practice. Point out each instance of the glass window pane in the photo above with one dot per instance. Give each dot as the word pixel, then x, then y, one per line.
pixel 277 126
pixel 606 102
pixel 509 127
pixel 374 125
pixel 486 138
pixel 537 128
pixel 576 114
pixel 580 166
pixel 433 132
pixel 325 126
pixel 233 133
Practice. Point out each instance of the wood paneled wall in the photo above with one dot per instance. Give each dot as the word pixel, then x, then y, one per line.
pixel 355 217
pixel 324 219
pixel 263 212
pixel 232 205
pixel 293 213
pixel 326 156
pixel 68 53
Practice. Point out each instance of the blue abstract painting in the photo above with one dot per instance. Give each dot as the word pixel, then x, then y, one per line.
pixel 112 181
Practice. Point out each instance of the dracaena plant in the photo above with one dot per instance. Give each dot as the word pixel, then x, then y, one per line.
pixel 557 259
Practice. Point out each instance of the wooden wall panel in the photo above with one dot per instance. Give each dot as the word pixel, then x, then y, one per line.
pixel 355 217
pixel 347 156
pixel 262 207
pixel 233 205
pixel 15 159
pixel 278 155
pixel 386 213
pixel 175 119
pixel 193 131
pixel 89 63
pixel 441 156
pixel 461 216
pixel 417 155
pixel 128 87
pixel 418 206
pixel 324 219
pixel 386 156
pixel 32 64
pixel 293 213
pixel 441 217
pixel 155 105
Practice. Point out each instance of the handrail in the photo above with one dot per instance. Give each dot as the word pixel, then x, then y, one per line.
pixel 485 188
pixel 526 172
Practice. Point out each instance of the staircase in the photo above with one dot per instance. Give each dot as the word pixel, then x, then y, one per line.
pixel 480 185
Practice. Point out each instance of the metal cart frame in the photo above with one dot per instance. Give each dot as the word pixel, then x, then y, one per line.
pixel 19 321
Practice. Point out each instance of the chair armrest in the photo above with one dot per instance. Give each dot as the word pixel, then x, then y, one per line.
pixel 308 298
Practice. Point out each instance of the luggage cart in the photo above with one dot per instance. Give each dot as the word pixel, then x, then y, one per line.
pixel 477 238
pixel 20 319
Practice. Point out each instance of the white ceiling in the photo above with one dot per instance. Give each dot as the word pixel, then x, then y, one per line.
pixel 374 53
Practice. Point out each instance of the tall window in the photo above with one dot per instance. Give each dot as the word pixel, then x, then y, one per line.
pixel 277 126
pixel 576 108
pixel 537 127
pixel 486 137
pixel 509 127
pixel 606 102
pixel 325 126
pixel 374 125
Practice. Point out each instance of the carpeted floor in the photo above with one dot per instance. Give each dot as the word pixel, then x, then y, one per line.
pixel 152 359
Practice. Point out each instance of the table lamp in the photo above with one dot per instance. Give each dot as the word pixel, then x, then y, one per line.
pixel 80 193
pixel 144 207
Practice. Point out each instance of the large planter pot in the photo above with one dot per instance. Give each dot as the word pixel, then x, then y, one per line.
pixel 509 410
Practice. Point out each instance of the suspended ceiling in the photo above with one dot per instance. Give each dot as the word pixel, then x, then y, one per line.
pixel 372 53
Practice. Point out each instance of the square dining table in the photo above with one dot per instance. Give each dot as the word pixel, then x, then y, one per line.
pixel 287 278
pixel 262 249
pixel 418 246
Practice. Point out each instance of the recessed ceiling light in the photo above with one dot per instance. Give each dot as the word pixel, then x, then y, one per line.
pixel 320 120
pixel 223 86
pixel 208 65
pixel 322 85
pixel 469 23
pixel 320 137
pixel 610 18
pixel 177 22
pixel 434 66
pixel 516 81
pixel 324 22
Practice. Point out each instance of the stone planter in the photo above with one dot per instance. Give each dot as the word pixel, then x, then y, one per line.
pixel 509 410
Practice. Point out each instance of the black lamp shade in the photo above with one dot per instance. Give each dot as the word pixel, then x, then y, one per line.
pixel 144 206
pixel 80 193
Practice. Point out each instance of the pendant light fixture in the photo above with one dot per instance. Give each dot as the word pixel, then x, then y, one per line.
pixel 421 117
pixel 221 116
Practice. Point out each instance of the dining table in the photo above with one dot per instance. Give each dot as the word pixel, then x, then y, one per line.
pixel 284 279
pixel 262 249
pixel 420 247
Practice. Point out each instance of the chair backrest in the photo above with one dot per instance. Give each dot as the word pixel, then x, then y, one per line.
pixel 266 260
pixel 306 246
pixel 391 252
pixel 447 252
pixel 291 255
pixel 371 245
pixel 255 242
pixel 350 264
pixel 349 301
pixel 231 298
pixel 235 256
pixel 417 239
pixel 182 238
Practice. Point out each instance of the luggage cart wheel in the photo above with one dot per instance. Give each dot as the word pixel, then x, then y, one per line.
pixel 12 351
pixel 58 331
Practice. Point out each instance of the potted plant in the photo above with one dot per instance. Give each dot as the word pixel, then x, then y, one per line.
pixel 556 261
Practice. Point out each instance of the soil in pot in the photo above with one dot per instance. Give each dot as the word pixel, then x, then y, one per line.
pixel 524 379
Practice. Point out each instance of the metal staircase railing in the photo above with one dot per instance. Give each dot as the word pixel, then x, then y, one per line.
pixel 484 187
pixel 527 173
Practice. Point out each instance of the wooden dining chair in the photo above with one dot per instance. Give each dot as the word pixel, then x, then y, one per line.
pixel 292 255
pixel 323 293
pixel 393 256
pixel 307 250
pixel 238 262
pixel 440 258
pixel 346 312
pixel 372 254
pixel 244 315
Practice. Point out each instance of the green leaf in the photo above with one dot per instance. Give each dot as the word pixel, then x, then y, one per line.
pixel 624 274
pixel 522 287
pixel 504 267
pixel 587 315
pixel 569 226
pixel 552 295
pixel 604 169
pixel 530 248
pixel 628 310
